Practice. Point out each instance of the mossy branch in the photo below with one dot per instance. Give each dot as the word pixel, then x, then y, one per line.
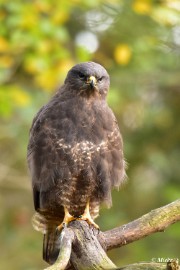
pixel 83 247
pixel 155 221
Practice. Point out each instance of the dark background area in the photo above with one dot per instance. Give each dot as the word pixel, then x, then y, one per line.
pixel 138 42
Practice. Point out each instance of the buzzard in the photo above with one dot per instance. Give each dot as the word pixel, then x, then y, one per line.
pixel 75 154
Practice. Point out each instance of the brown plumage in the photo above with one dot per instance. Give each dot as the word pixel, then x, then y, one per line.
pixel 75 152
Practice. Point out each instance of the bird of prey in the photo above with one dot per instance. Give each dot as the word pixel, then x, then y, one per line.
pixel 75 154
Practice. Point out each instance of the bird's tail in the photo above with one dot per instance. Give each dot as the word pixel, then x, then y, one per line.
pixel 51 242
pixel 51 245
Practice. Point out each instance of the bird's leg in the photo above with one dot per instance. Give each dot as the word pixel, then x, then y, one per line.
pixel 86 216
pixel 67 218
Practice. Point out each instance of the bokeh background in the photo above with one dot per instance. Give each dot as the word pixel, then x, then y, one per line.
pixel 138 42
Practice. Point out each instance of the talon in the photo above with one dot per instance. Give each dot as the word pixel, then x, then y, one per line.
pixel 59 228
pixel 87 217
pixel 67 219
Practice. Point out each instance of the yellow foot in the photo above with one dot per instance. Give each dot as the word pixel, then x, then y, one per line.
pixel 86 216
pixel 89 220
pixel 67 219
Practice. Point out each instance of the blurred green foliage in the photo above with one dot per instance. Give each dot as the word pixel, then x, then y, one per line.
pixel 138 42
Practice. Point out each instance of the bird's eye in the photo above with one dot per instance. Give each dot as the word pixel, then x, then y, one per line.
pixel 100 79
pixel 81 75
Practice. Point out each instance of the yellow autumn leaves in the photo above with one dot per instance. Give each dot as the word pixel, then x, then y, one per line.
pixel 166 13
pixel 123 51
pixel 5 59
pixel 36 42
pixel 142 6
pixel 4 45
pixel 19 96
pixel 12 97
pixel 122 54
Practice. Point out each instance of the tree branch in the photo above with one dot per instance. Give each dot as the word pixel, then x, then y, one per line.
pixel 155 221
pixel 67 237
pixel 170 265
pixel 80 241
pixel 83 246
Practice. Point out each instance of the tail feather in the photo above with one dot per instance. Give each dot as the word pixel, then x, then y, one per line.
pixel 51 245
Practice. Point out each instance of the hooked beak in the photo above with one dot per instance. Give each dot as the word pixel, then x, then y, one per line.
pixel 92 81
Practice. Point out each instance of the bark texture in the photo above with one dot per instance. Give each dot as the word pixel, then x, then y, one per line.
pixel 155 221
pixel 83 247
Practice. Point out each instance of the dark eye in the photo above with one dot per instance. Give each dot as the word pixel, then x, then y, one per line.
pixel 81 75
pixel 100 79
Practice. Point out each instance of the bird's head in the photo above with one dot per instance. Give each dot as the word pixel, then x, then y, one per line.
pixel 88 79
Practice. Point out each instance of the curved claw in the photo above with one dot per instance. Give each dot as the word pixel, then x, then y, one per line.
pixel 89 220
pixel 87 217
pixel 67 219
